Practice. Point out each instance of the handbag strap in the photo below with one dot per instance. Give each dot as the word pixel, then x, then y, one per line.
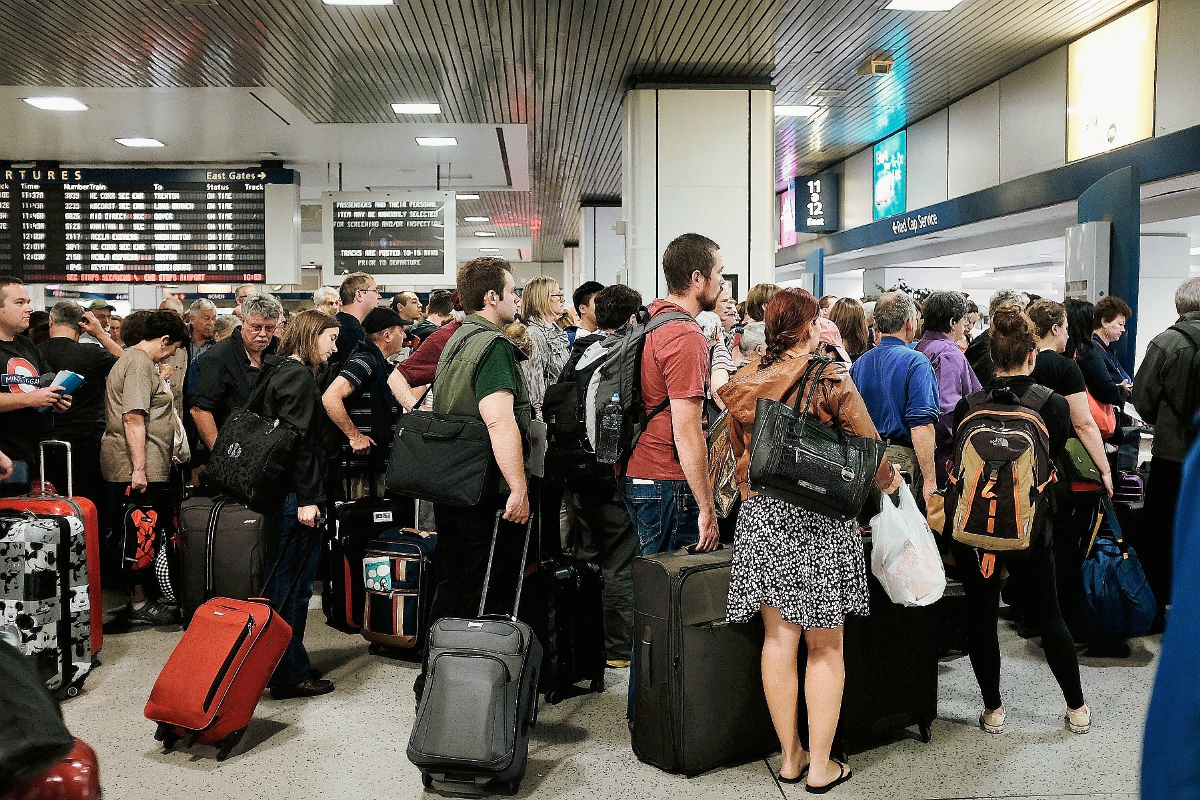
pixel 1107 512
pixel 457 348
pixel 810 379
pixel 255 401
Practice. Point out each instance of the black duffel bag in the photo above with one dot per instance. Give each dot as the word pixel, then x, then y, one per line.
pixel 441 458
pixel 34 737
pixel 252 459
pixel 798 459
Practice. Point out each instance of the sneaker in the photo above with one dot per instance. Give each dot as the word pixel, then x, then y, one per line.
pixel 992 721
pixel 1079 721
pixel 306 688
pixel 617 663
pixel 154 613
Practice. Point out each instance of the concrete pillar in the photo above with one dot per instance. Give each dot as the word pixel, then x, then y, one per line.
pixel 699 160
pixel 601 247
pixel 1165 263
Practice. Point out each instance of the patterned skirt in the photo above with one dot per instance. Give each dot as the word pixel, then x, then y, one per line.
pixel 808 566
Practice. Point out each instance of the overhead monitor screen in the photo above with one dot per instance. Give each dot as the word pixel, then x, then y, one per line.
pixel 399 237
pixel 1110 84
pixel 817 203
pixel 891 175
pixel 135 225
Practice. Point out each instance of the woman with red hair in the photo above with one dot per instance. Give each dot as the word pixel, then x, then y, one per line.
pixel 802 570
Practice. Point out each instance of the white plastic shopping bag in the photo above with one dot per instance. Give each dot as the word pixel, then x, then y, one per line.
pixel 904 554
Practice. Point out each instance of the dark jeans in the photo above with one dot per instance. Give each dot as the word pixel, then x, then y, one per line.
pixel 290 588
pixel 1154 540
pixel 983 605
pixel 604 535
pixel 464 539
pixel 666 518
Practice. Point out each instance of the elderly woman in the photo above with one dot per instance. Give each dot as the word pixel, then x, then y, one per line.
pixel 802 570
pixel 143 439
pixel 751 345
pixel 542 305
pixel 945 320
pixel 720 360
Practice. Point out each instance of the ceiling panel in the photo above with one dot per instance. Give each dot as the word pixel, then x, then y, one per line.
pixel 557 67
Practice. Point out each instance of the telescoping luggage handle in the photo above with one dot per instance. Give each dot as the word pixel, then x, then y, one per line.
pixel 42 465
pixel 317 542
pixel 487 577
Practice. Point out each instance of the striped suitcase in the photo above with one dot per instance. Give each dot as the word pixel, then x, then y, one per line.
pixel 398 581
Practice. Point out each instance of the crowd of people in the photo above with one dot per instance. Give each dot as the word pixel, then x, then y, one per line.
pixel 159 385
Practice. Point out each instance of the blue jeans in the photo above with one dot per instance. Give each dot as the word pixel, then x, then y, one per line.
pixel 666 518
pixel 298 550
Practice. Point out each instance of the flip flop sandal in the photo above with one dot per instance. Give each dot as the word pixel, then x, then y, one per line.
pixel 844 774
pixel 803 774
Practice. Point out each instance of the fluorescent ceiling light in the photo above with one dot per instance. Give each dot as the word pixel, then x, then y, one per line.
pixel 138 141
pixel 489 249
pixel 476 219
pixel 466 197
pixel 358 2
pixel 796 111
pixel 416 108
pixel 484 233
pixel 437 141
pixel 56 103
pixel 977 274
pixel 922 5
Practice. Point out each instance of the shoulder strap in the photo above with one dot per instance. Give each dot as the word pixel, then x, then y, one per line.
pixel 663 318
pixel 1035 397
pixel 1190 331
pixel 457 349
pixel 976 399
pixel 255 401
pixel 811 377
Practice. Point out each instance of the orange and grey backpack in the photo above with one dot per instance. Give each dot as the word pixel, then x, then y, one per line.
pixel 999 472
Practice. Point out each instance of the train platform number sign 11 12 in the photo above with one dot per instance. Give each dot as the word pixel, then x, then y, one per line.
pixel 817 203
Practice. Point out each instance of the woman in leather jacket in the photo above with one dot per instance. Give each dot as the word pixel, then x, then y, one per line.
pixel 294 398
pixel 802 570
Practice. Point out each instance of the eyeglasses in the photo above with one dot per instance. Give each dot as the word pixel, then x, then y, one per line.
pixel 262 328
pixel 558 296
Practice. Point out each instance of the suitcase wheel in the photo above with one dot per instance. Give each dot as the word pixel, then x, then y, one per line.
pixel 228 743
pixel 426 780
pixel 512 787
pixel 926 729
pixel 73 690
pixel 554 697
pixel 375 648
pixel 166 734
pixel 598 685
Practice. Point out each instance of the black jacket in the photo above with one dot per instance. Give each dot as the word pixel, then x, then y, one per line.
pixel 294 399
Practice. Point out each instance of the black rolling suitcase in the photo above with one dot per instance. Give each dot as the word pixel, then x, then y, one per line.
pixel 224 550
pixel 891 660
pixel 699 700
pixel 573 627
pixel 480 698
pixel 355 525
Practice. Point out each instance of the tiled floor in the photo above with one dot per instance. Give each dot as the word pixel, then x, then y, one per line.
pixel 350 744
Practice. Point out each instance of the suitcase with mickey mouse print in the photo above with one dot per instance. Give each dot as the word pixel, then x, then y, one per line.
pixel 399 581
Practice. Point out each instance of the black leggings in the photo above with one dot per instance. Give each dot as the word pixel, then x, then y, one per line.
pixel 983 603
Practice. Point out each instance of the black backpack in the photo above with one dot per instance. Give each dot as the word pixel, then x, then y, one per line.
pixel 569 454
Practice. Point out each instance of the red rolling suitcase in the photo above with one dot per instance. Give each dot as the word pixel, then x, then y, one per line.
pixel 209 687
pixel 75 777
pixel 45 501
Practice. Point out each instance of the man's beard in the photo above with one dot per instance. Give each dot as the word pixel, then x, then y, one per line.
pixel 709 303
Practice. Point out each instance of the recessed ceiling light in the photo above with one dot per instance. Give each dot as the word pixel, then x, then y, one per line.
pixel 489 249
pixel 922 5
pixel 138 141
pixel 466 197
pixel 796 111
pixel 358 2
pixel 56 103
pixel 476 219
pixel 437 141
pixel 485 233
pixel 417 108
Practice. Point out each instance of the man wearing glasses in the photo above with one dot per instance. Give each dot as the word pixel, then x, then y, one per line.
pixel 227 371
pixel 359 294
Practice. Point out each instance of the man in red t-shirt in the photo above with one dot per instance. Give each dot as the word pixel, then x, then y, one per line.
pixel 666 486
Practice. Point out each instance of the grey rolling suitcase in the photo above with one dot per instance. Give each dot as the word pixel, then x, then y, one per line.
pixel 223 549
pixel 480 698
pixel 698 701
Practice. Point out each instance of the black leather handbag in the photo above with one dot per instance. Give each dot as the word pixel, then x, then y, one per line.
pixel 441 458
pixel 252 458
pixel 797 459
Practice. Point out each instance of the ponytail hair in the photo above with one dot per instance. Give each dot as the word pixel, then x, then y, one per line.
pixel 788 314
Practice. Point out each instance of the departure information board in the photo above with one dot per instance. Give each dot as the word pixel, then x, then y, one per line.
pixel 400 237
pixel 135 225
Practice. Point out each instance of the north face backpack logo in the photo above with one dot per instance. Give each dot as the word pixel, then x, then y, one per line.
pixel 234 450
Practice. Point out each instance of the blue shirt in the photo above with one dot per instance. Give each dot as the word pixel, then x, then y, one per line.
pixel 899 388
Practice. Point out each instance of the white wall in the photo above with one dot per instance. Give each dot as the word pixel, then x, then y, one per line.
pixel 973 161
pixel 602 250
pixel 845 284
pixel 1033 117
pixel 1177 103
pixel 927 142
pixel 857 190
pixel 1166 263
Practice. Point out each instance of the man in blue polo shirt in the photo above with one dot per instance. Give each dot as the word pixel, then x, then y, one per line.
pixel 901 392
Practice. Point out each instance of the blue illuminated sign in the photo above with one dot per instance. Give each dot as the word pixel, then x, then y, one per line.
pixel 890 185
